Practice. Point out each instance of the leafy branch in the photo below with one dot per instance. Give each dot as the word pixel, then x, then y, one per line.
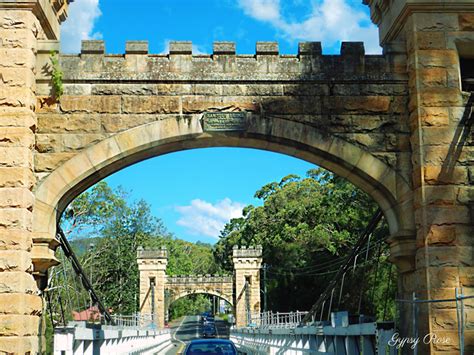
pixel 56 76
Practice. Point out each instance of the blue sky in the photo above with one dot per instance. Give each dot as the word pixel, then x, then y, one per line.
pixel 195 192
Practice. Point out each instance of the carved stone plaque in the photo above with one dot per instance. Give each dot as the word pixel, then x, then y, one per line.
pixel 224 121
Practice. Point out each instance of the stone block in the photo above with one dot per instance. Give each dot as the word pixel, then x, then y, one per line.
pixel 17 77
pixel 15 260
pixel 181 47
pixel 17 97
pixel 437 175
pixel 435 21
pixel 17 282
pixel 431 77
pixel 431 40
pixel 16 198
pixel 17 58
pixel 19 303
pixel 439 235
pixel 75 142
pixel 443 195
pixel 440 97
pixel 19 345
pixel 18 325
pixel 16 177
pixel 92 47
pixel 267 48
pixel 17 117
pixel 16 157
pixel 118 123
pixel 51 161
pixel 359 104
pixel 15 218
pixel 444 277
pixel 446 214
pixel 437 58
pixel 438 136
pixel 466 276
pixel 15 240
pixel 16 137
pixel 222 48
pixel 310 48
pixel 67 123
pixel 150 104
pixel 98 104
pixel 445 256
pixel 466 22
pixel 136 47
pixel 46 104
pixel 434 116
pixel 352 48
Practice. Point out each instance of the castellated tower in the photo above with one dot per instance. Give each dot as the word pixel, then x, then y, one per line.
pixel 152 268
pixel 247 264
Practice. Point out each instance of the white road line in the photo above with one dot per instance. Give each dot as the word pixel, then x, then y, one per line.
pixel 176 332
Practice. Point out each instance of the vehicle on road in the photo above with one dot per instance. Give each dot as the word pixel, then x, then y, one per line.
pixel 211 347
pixel 209 331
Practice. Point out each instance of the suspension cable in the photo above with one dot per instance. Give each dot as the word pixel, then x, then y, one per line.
pixel 349 260
pixel 69 253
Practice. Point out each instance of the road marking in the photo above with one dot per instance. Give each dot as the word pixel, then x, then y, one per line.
pixel 176 332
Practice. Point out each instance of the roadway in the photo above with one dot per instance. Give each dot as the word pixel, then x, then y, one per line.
pixel 190 328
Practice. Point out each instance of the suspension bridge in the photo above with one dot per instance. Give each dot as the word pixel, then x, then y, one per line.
pixel 84 325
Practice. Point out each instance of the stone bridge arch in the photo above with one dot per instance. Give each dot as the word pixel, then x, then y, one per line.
pixel 204 291
pixel 242 290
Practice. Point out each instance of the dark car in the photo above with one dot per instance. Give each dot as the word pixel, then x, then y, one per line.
pixel 211 347
pixel 209 331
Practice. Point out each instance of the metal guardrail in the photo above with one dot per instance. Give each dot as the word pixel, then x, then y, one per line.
pixel 135 320
pixel 277 319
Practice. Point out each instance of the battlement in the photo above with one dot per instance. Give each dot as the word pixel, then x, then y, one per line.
pixel 244 252
pixel 199 279
pixel 143 253
pixel 180 64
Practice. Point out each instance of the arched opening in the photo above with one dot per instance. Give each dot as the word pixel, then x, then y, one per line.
pixel 346 160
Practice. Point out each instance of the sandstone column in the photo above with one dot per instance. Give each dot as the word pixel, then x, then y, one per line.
pixel 152 268
pixel 22 24
pixel 435 35
pixel 247 264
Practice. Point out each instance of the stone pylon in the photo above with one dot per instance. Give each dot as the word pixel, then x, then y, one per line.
pixel 247 265
pixel 152 268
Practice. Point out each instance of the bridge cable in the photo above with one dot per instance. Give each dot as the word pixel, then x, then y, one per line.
pixel 69 253
pixel 349 261
pixel 389 284
pixel 362 288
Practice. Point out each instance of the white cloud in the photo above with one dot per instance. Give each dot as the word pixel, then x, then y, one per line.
pixel 330 22
pixel 204 218
pixel 264 10
pixel 79 25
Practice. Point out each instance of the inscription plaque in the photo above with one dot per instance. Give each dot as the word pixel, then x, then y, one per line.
pixel 224 121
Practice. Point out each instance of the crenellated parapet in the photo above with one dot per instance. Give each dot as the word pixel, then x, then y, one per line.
pixel 267 63
pixel 198 280
pixel 244 252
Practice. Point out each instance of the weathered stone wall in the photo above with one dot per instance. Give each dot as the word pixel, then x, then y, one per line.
pixel 352 96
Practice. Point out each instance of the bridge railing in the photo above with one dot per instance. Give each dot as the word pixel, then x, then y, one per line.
pixel 134 320
pixel 277 319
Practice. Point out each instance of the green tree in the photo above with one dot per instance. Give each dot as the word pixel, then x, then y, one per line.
pixel 306 227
